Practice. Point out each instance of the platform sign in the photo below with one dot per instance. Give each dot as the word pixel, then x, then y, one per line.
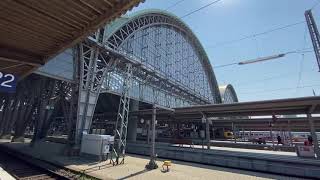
pixel 8 82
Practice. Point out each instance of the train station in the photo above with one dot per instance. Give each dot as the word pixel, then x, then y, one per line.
pixel 109 89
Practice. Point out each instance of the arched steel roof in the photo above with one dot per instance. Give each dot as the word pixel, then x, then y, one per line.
pixel 170 20
pixel 226 88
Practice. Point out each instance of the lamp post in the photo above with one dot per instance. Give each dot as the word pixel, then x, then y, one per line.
pixel 152 163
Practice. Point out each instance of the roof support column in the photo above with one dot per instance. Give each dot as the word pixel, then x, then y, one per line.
pixel 205 118
pixel 271 136
pixel 290 134
pixel 313 133
pixel 234 132
pixel 93 69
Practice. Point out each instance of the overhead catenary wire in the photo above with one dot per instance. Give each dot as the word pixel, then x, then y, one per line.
pixel 256 34
pixel 279 89
pixel 315 5
pixel 240 39
pixel 188 14
pixel 175 4
pixel 203 7
pixel 263 80
pixel 304 50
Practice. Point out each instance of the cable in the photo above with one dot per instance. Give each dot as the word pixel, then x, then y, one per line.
pixel 205 6
pixel 175 4
pixel 257 45
pixel 224 65
pixel 257 34
pixel 300 70
pixel 280 89
pixel 188 14
pixel 239 84
pixel 240 39
pixel 302 58
pixel 315 5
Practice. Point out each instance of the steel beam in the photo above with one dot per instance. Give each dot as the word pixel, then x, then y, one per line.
pixel 314 34
pixel 93 69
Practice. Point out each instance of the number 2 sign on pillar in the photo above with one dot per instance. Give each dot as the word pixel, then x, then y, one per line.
pixel 8 82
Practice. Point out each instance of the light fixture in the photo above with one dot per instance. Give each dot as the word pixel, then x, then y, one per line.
pixel 262 59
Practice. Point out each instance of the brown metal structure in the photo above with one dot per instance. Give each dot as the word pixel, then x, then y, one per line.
pixel 33 31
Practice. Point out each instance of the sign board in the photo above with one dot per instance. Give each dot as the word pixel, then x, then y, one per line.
pixel 8 83
pixel 305 151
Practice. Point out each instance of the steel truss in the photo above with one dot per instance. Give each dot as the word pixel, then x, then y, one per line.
pixel 314 34
pixel 120 136
pixel 93 69
pixel 96 57
pixel 149 76
pixel 228 94
pixel 139 28
pixel 96 60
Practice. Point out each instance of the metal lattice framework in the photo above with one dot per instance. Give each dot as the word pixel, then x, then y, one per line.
pixel 157 59
pixel 94 67
pixel 314 34
pixel 168 55
pixel 120 136
pixel 228 94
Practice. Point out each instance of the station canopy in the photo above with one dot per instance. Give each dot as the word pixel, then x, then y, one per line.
pixel 33 31
pixel 292 106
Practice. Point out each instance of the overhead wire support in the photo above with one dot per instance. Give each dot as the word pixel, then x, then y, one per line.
pixel 266 58
pixel 302 58
pixel 314 34
pixel 120 134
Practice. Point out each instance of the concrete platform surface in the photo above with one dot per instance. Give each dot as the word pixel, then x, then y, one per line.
pixel 134 166
pixel 4 175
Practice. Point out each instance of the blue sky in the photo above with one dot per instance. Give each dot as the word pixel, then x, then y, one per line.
pixel 233 19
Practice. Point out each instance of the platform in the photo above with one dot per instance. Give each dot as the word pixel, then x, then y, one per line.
pixel 286 163
pixel 4 175
pixel 134 166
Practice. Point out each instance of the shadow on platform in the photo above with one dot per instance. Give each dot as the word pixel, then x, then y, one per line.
pixel 216 168
pixel 49 151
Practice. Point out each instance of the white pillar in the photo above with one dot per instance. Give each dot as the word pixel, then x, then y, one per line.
pixel 290 134
pixel 314 135
pixel 208 133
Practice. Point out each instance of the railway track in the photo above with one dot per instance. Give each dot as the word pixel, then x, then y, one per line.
pixel 24 167
pixel 23 170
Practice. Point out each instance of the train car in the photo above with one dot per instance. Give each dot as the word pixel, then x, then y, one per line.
pixel 228 135
pixel 221 133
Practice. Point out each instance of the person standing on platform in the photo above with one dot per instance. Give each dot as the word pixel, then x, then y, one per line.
pixel 279 140
pixel 309 141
